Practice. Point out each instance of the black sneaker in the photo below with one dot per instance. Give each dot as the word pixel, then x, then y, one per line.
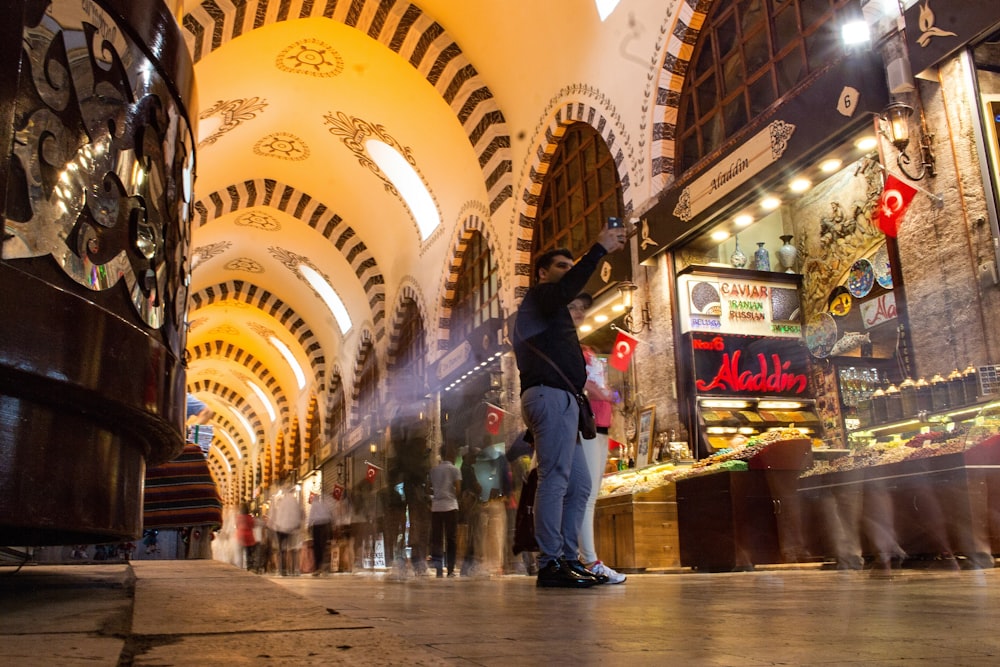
pixel 581 569
pixel 556 575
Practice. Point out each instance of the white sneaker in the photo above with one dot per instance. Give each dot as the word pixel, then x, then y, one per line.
pixel 613 577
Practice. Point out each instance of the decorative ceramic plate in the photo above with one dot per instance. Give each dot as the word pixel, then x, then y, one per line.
pixel 839 302
pixel 880 262
pixel 861 278
pixel 821 334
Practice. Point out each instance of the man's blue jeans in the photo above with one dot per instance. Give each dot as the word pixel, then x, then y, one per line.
pixel 563 477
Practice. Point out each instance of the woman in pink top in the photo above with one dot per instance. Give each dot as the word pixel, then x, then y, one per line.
pixel 595 450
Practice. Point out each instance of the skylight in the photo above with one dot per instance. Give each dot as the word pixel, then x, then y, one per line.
pixel 606 7
pixel 411 187
pixel 300 377
pixel 246 423
pixel 329 296
pixel 263 398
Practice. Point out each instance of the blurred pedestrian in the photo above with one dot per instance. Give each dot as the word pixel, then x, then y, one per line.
pixel 446 485
pixel 320 523
pixel 245 536
pixel 286 521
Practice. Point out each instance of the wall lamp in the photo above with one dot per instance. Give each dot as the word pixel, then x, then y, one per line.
pixel 897 116
pixel 627 289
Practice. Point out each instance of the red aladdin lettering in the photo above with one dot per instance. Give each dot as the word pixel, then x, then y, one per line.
pixel 729 376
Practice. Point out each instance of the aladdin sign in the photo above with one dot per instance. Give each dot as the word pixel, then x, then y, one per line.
pixel 760 152
pixel 745 365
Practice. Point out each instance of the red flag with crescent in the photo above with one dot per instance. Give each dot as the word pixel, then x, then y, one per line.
pixel 621 351
pixel 338 492
pixel 896 197
pixel 494 417
pixel 370 473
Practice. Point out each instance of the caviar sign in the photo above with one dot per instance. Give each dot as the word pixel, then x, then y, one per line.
pixel 749 365
pixel 722 304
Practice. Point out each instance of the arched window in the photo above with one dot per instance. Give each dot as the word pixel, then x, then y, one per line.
pixel 336 419
pixel 477 290
pixel 411 357
pixel 581 191
pixel 750 54
pixel 367 406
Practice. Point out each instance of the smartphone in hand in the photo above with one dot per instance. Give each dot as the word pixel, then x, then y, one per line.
pixel 615 223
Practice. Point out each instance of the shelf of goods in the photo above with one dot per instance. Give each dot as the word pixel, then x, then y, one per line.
pixel 740 508
pixel 933 498
pixel 635 519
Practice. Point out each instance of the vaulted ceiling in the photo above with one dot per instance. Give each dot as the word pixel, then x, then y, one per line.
pixel 473 94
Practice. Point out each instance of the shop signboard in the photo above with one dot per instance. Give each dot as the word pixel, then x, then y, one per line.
pixel 735 303
pixel 879 310
pixel 733 365
pixel 760 151
pixel 482 343
pixel 935 29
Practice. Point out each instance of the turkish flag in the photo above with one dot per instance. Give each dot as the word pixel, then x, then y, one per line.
pixel 621 351
pixel 370 473
pixel 494 417
pixel 338 492
pixel 896 197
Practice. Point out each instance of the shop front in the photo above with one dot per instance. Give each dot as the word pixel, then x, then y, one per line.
pixel 777 257
pixel 834 365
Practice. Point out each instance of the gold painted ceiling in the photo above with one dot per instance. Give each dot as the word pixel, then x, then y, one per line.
pixel 473 92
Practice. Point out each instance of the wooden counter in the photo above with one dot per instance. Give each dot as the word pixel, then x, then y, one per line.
pixel 929 508
pixel 733 520
pixel 635 532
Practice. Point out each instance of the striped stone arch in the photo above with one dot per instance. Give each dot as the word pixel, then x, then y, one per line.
pixel 404 29
pixel 313 212
pixel 676 59
pixel 409 290
pixel 256 367
pixel 562 117
pixel 258 297
pixel 365 340
pixel 463 232
pixel 236 400
pixel 221 477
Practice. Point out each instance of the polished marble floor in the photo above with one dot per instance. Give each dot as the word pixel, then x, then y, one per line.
pixel 182 613
pixel 790 616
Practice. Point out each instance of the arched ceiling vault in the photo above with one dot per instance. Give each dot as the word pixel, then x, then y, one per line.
pixel 290 91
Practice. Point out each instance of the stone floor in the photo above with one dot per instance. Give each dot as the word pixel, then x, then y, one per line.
pixel 209 613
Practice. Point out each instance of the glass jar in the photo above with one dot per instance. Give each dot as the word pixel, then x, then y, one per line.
pixel 865 416
pixel 956 389
pixel 925 402
pixel 939 393
pixel 893 404
pixel 970 378
pixel 908 397
pixel 880 414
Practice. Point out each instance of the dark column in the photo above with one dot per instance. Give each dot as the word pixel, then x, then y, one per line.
pixel 95 198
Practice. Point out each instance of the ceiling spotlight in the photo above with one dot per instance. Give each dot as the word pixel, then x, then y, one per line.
pixel 770 203
pixel 866 143
pixel 743 220
pixel 799 185
pixel 830 166
pixel 720 235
